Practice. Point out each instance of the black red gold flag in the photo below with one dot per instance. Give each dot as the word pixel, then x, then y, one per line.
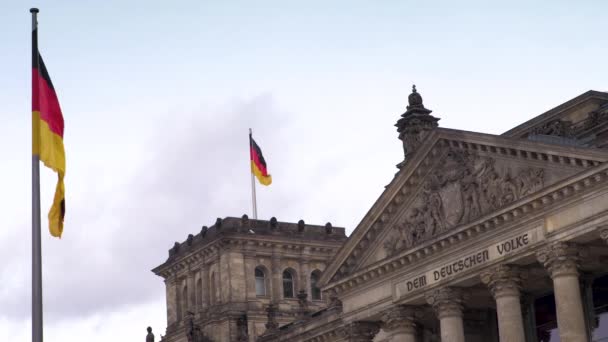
pixel 258 163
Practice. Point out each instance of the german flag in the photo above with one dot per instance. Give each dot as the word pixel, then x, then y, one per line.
pixel 47 133
pixel 258 164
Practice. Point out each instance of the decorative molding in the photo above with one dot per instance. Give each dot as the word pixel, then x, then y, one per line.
pixel 604 233
pixel 400 318
pixel 447 301
pixel 415 124
pixel 561 258
pixel 504 280
pixel 318 250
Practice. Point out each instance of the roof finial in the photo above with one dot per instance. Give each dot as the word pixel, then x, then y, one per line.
pixel 413 88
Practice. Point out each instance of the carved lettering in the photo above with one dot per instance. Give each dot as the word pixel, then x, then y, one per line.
pixel 513 244
pixel 416 283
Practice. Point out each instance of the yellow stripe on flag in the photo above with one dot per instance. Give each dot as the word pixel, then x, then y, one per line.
pixel 265 180
pixel 49 146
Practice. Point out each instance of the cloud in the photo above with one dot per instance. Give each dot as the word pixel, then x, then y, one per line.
pixel 193 169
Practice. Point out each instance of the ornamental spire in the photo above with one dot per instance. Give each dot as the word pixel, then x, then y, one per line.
pixel 414 124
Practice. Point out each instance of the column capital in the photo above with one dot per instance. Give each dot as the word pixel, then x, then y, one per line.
pixel 361 331
pixel 560 258
pixel 447 301
pixel 400 318
pixel 504 280
pixel 604 233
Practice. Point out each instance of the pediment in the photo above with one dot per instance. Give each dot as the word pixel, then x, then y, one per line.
pixel 582 120
pixel 454 178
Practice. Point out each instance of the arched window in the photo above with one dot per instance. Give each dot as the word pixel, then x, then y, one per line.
pixel 288 284
pixel 260 282
pixel 315 291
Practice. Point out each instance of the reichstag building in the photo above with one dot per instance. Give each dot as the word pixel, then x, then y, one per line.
pixel 477 238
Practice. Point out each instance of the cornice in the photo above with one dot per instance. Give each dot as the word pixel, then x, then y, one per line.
pixel 556 194
pixel 322 250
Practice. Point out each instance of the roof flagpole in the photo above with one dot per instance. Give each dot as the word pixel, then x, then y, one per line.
pixel 254 204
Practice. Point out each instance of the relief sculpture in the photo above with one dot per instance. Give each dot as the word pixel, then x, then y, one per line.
pixel 465 187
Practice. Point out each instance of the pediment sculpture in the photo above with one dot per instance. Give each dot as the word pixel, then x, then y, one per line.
pixel 463 188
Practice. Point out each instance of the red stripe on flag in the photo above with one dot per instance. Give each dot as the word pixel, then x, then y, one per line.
pixel 44 100
pixel 256 160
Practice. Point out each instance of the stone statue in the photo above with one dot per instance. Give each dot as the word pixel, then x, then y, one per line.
pixel 463 188
pixel 241 327
pixel 150 336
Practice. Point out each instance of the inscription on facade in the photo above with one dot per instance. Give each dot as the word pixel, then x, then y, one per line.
pixel 471 261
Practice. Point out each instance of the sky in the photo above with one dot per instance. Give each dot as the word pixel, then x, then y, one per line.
pixel 158 97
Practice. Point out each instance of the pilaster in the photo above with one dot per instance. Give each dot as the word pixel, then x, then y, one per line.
pixel 191 299
pixel 205 288
pixel 171 297
pixel 250 264
pixel 275 261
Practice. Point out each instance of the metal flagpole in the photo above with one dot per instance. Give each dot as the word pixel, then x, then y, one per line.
pixel 36 243
pixel 253 197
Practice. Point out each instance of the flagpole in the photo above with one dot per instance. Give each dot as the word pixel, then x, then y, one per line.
pixel 36 240
pixel 253 196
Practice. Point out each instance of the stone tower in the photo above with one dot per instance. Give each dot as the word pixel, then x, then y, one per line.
pixel 220 282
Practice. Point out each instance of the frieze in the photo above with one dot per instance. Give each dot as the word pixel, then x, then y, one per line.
pixel 465 187
pixel 471 261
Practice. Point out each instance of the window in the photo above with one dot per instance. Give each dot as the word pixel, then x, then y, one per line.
pixel 260 282
pixel 315 291
pixel 600 307
pixel 287 284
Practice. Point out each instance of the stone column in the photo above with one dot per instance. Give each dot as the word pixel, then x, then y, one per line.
pixel 399 323
pixel 447 303
pixel 361 331
pixel 277 276
pixel 505 283
pixel 561 259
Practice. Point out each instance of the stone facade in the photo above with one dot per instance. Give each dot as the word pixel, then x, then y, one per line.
pixel 220 282
pixel 478 238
